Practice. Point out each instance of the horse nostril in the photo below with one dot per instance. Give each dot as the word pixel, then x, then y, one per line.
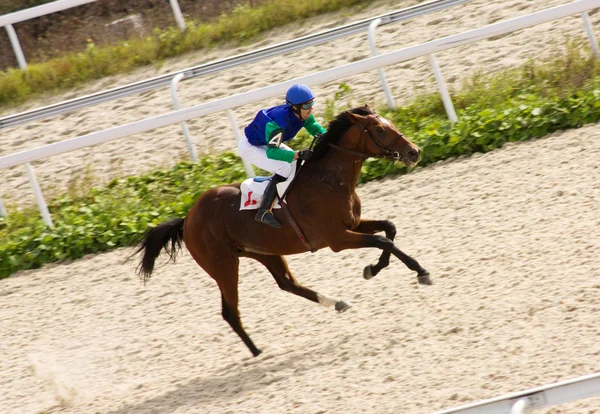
pixel 413 153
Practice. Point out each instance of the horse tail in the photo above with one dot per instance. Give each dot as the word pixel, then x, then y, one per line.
pixel 168 236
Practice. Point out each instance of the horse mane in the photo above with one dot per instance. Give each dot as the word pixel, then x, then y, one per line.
pixel 336 129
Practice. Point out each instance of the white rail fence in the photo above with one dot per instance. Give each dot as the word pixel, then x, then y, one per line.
pixel 175 77
pixel 536 398
pixel 224 104
pixel 8 20
pixel 388 94
pixel 230 62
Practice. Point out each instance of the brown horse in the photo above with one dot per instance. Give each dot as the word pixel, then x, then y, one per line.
pixel 323 201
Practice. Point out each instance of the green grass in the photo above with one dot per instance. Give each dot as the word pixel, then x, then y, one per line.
pixel 74 69
pixel 515 105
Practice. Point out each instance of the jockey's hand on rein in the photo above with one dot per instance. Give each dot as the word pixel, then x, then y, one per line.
pixel 305 154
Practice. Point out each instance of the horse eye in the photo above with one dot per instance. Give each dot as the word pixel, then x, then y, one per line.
pixel 379 129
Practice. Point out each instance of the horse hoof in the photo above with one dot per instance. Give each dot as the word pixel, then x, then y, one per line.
pixel 256 352
pixel 367 274
pixel 342 306
pixel 424 279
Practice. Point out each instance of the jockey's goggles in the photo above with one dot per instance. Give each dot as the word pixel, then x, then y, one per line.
pixel 307 105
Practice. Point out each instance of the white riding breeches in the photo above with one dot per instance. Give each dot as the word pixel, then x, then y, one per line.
pixel 257 156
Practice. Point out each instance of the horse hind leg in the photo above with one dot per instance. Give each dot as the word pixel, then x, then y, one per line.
pixel 278 267
pixel 230 312
pixel 222 265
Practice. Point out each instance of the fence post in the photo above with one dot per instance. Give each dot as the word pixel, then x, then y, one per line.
pixel 443 89
pixel 39 196
pixel 178 15
pixel 519 406
pixel 2 209
pixel 590 33
pixel 14 41
pixel 184 125
pixel 238 136
pixel 382 79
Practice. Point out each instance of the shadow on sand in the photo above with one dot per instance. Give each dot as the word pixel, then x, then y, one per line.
pixel 239 378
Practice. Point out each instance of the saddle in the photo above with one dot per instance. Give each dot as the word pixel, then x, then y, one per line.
pixel 253 189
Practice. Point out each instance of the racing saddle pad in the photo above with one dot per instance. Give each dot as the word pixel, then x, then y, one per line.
pixel 253 189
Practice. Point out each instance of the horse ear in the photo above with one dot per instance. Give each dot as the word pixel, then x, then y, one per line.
pixel 354 118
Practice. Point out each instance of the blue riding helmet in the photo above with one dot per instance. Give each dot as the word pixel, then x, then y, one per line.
pixel 299 94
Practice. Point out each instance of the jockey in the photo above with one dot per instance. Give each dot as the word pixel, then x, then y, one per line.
pixel 264 144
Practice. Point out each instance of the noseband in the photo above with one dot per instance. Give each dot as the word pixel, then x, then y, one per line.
pixel 387 154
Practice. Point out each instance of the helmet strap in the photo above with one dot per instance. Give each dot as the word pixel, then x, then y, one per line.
pixel 297 109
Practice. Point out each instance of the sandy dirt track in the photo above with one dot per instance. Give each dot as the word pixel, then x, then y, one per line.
pixel 511 240
pixel 510 237
pixel 164 146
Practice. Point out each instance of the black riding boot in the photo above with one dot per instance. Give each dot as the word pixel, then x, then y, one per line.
pixel 264 214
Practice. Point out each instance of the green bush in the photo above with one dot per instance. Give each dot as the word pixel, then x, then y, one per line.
pixel 109 217
pixel 119 214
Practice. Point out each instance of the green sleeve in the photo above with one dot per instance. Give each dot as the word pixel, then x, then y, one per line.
pixel 313 127
pixel 276 153
pixel 280 154
pixel 271 129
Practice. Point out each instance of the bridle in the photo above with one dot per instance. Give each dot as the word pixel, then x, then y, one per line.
pixel 387 154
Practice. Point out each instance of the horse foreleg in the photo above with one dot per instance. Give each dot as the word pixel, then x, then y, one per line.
pixel 372 227
pixel 278 267
pixel 353 240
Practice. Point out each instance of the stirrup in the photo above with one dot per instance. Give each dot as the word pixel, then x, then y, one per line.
pixel 268 218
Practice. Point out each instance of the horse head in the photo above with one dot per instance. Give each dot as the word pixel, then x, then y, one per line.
pixel 375 136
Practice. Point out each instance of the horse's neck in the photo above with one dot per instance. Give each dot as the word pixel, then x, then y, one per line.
pixel 340 169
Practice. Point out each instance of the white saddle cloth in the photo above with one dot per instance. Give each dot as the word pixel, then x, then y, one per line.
pixel 253 189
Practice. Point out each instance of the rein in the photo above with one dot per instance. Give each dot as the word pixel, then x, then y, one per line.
pixel 286 209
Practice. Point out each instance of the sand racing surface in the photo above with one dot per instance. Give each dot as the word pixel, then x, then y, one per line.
pixel 511 240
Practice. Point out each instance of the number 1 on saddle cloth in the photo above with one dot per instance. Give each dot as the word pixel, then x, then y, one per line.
pixel 253 189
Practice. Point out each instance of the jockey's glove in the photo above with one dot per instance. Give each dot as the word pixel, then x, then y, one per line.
pixel 305 154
